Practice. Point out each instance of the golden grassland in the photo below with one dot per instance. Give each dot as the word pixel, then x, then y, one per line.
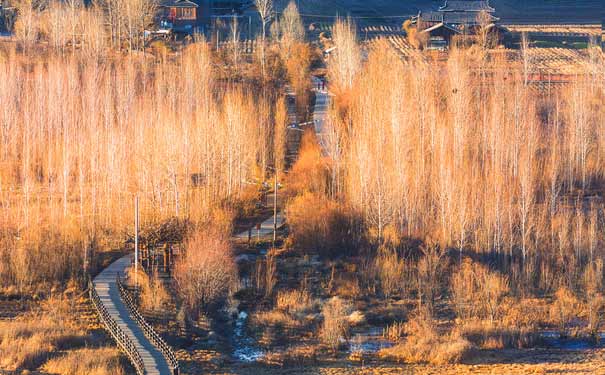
pixel 59 336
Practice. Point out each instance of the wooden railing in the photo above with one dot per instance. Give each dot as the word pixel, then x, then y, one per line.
pixel 148 330
pixel 123 341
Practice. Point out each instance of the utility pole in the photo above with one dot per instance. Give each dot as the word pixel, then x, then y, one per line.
pixel 136 240
pixel 275 210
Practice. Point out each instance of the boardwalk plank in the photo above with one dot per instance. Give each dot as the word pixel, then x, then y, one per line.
pixel 106 286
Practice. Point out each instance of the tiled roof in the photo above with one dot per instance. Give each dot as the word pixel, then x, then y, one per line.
pixel 455 18
pixel 178 4
pixel 466 5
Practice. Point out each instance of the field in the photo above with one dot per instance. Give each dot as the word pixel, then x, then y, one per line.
pixel 510 11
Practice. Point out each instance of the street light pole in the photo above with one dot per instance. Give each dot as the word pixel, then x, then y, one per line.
pixel 136 240
pixel 275 210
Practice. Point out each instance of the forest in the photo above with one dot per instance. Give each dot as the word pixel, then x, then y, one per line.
pixel 441 214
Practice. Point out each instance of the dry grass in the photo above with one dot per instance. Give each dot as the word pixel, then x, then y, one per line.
pixel 275 319
pixel 425 344
pixel 488 335
pixel 395 331
pixel 297 302
pixel 276 326
pixel 300 355
pixel 31 339
pixel 105 361
pixel 154 295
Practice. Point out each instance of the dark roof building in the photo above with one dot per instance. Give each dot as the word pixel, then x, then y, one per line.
pixel 466 6
pixel 187 16
pixel 454 17
pixel 179 15
pixel 460 13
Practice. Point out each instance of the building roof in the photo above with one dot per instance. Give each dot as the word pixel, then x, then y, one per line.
pixel 178 4
pixel 440 25
pixel 466 6
pixel 454 18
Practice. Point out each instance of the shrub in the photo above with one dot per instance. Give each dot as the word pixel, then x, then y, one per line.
pixel 319 224
pixel 265 275
pixel 430 275
pixel 206 273
pixel 463 291
pixel 477 291
pixel 390 269
pixel 335 325
pixel 564 308
pixel 310 172
pixel 154 295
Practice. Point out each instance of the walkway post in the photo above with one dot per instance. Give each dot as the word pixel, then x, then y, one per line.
pixel 136 240
pixel 275 210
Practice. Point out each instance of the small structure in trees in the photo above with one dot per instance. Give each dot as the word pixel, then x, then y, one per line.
pixel 179 16
pixel 456 19
pixel 188 16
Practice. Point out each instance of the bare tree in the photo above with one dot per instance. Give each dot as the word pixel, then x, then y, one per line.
pixel 291 28
pixel 345 62
pixel 525 57
pixel 486 27
pixel 265 11
pixel 127 20
pixel 27 25
pixel 235 39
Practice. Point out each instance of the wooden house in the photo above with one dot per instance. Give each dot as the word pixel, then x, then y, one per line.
pixel 455 18
pixel 180 16
pixel 187 16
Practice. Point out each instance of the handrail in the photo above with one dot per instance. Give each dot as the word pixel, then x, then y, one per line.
pixel 148 330
pixel 123 341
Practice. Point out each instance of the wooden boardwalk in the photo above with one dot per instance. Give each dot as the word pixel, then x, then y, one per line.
pixel 320 113
pixel 106 287
pixel 266 227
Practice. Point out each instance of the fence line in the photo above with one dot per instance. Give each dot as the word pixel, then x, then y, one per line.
pixel 148 330
pixel 123 341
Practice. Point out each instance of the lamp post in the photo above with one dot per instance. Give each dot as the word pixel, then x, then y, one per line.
pixel 136 240
pixel 275 209
pixel 275 188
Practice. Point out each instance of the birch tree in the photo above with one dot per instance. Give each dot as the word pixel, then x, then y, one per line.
pixel 265 11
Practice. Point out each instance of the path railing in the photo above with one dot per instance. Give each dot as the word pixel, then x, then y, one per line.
pixel 123 341
pixel 148 330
